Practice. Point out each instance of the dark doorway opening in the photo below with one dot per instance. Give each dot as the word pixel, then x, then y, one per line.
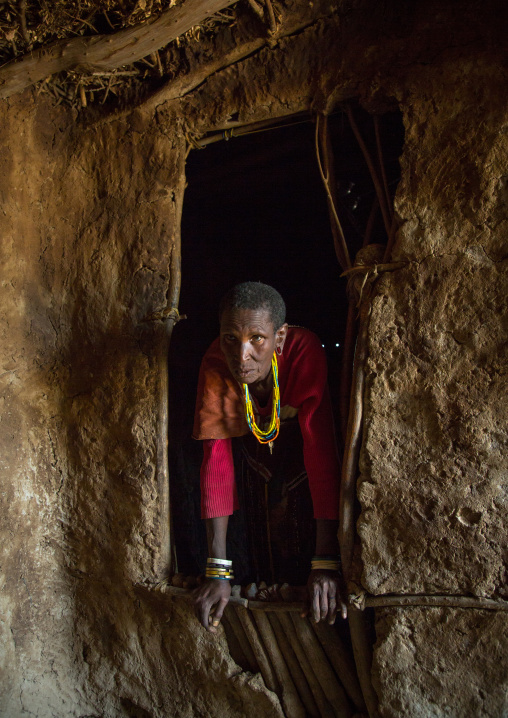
pixel 255 209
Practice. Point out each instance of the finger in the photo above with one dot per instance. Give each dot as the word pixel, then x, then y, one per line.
pixel 213 620
pixel 324 604
pixel 219 610
pixel 343 610
pixel 316 610
pixel 332 610
pixel 203 613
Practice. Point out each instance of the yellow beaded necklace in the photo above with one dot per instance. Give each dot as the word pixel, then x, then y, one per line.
pixel 268 436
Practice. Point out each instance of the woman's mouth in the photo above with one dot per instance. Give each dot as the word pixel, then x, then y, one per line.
pixel 244 373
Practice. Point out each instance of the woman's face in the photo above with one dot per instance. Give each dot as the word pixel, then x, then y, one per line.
pixel 248 340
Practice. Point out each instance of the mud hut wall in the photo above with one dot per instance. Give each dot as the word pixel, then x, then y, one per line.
pixel 434 458
pixel 89 219
pixel 86 258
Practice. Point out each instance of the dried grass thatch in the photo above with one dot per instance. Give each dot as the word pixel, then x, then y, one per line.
pixel 26 25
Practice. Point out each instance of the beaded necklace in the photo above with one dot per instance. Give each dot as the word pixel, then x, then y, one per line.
pixel 268 436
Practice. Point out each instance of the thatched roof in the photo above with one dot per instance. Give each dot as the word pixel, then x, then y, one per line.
pixel 28 26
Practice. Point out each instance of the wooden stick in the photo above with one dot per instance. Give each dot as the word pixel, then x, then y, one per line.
pixel 186 594
pixel 488 604
pixel 235 647
pixel 294 667
pixel 360 602
pixel 341 661
pixel 346 369
pixel 324 673
pixel 271 16
pixel 290 699
pixel 242 639
pixel 171 317
pixel 262 659
pixel 237 129
pixel 329 164
pixel 22 20
pixel 257 9
pixel 325 171
pixel 372 170
pixel 276 606
pixel 322 702
pixel 352 447
pixel 106 52
pixel 363 658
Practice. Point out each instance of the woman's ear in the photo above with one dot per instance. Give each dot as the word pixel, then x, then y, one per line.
pixel 280 338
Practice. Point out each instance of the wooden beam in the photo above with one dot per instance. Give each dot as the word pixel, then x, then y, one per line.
pixel 106 52
pixel 324 706
pixel 341 662
pixel 289 697
pixel 260 654
pixel 294 667
pixel 325 674
pixel 184 84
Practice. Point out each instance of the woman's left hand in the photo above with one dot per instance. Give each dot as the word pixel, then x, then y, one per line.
pixel 325 596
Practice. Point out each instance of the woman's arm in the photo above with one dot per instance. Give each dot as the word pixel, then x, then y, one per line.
pixel 325 587
pixel 218 500
pixel 216 532
pixel 211 598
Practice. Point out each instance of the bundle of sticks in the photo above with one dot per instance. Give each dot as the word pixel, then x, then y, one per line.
pixel 306 664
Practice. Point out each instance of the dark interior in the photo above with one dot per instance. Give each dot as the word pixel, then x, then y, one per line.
pixel 255 209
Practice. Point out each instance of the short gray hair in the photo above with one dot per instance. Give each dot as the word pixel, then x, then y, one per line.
pixel 255 295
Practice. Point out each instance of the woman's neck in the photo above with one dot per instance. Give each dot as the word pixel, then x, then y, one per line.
pixel 262 390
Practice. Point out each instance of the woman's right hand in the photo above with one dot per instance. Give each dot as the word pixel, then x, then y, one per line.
pixel 210 600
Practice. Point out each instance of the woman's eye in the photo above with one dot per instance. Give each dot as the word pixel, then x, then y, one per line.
pixel 257 338
pixel 229 338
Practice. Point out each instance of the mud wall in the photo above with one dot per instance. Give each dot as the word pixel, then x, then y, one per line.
pixel 89 219
pixel 88 223
pixel 434 464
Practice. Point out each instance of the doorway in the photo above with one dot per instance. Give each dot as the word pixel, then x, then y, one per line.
pixel 255 209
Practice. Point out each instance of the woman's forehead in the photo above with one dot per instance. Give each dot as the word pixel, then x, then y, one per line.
pixel 247 320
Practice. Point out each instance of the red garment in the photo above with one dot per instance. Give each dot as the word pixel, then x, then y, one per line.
pixel 220 416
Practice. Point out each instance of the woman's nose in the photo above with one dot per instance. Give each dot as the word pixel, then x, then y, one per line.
pixel 244 351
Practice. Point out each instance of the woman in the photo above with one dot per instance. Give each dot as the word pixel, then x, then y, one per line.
pixel 261 380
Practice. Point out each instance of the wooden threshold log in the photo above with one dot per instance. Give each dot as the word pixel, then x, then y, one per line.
pixel 276 606
pixel 294 667
pixel 486 604
pixel 362 602
pixel 242 639
pixel 322 702
pixel 341 662
pixel 325 674
pixel 186 594
pixel 262 659
pixel 289 697
pixel 106 52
